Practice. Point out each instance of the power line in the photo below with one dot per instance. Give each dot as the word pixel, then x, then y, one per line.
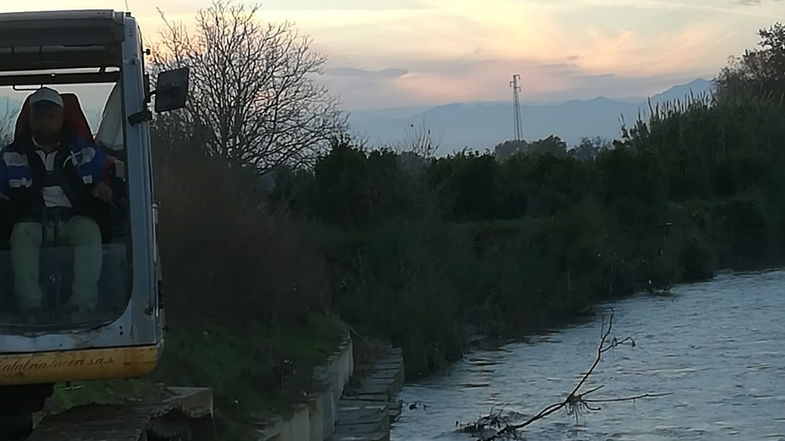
pixel 516 106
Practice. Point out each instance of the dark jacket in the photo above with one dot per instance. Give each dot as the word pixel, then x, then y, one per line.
pixel 79 165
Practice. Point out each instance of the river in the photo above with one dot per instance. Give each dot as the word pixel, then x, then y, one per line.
pixel 718 347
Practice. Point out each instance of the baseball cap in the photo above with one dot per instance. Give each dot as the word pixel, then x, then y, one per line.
pixel 46 94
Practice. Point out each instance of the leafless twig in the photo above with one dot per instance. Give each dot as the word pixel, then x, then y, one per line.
pixel 6 126
pixel 576 401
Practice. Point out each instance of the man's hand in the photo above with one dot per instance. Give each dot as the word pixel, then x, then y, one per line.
pixel 102 192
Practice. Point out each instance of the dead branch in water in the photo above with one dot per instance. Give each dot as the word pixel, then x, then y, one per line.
pixel 495 420
pixel 575 402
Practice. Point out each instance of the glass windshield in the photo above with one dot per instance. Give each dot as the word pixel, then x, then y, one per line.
pixel 64 226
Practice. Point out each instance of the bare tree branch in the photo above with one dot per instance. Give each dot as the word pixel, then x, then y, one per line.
pixel 575 402
pixel 636 397
pixel 420 141
pixel 6 126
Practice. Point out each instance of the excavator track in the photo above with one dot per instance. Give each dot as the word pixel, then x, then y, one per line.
pixel 182 418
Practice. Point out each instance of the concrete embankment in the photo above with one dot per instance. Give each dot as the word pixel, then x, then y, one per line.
pixel 342 408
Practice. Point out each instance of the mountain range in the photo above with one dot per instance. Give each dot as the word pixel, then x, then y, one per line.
pixel 482 125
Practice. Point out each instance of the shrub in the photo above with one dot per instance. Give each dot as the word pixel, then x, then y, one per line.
pixel 225 258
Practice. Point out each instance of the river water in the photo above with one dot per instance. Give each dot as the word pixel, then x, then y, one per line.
pixel 718 347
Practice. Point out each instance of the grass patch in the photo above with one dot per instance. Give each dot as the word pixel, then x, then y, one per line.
pixel 260 371
pixel 76 393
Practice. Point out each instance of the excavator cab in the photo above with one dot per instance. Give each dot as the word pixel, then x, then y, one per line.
pixel 95 59
pixel 56 256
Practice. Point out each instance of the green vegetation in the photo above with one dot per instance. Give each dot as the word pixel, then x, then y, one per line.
pixel 104 392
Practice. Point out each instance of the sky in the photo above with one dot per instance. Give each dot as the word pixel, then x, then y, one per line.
pixel 399 53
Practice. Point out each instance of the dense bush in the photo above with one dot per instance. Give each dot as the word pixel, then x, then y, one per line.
pixel 224 258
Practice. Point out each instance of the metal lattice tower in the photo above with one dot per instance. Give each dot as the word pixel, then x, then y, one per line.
pixel 516 106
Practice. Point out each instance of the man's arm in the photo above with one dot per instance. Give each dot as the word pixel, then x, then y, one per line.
pixel 95 168
pixel 99 165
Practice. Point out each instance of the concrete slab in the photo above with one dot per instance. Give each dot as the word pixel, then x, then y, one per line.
pixel 388 362
pixel 376 436
pixel 373 388
pixel 193 399
pixel 376 382
pixel 378 386
pixel 368 396
pixel 364 410
pixel 357 428
pixel 361 404
pixel 389 375
pixel 389 358
pixel 395 382
pixel 361 416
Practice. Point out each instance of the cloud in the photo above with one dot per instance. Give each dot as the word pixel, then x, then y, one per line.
pixel 727 7
pixel 754 2
pixel 608 76
pixel 365 73
pixel 409 52
pixel 561 68
pixel 373 5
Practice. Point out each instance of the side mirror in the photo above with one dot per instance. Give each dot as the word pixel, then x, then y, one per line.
pixel 172 90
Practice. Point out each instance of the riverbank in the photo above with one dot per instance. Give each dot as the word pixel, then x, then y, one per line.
pixel 427 287
pixel 333 390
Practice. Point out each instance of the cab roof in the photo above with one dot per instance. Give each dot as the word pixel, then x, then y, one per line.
pixel 52 40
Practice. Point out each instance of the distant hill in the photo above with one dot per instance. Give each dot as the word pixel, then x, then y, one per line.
pixel 697 87
pixel 484 124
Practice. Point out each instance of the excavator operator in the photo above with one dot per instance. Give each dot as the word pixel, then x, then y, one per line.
pixel 55 183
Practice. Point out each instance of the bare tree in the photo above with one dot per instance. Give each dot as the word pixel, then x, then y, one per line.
pixel 255 99
pixel 420 141
pixel 6 126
